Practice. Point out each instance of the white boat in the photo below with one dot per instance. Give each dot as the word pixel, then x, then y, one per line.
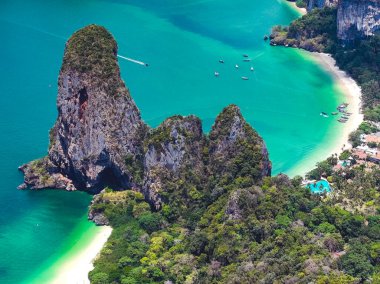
pixel 245 78
pixel 252 69
pixel 236 66
pixel 216 74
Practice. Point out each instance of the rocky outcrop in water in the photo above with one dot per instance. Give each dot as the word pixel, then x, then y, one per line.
pixel 358 19
pixel 98 123
pixel 100 140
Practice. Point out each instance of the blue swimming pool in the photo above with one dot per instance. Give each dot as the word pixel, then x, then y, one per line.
pixel 320 187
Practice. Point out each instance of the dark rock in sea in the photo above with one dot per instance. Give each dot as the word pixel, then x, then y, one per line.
pixel 38 174
pixel 22 186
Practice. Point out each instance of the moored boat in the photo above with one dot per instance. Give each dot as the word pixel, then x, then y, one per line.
pixel 245 78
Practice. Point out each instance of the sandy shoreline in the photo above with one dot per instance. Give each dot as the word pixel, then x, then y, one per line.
pixel 302 11
pixel 352 96
pixel 76 270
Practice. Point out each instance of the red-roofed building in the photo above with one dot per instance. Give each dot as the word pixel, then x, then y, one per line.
pixel 337 167
pixel 373 138
pixel 359 154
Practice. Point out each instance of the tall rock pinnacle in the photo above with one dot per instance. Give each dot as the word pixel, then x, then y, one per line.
pixel 98 125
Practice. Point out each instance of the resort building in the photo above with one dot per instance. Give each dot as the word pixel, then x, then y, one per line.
pixel 372 138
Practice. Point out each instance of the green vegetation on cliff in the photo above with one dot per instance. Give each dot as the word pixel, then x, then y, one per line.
pixel 92 50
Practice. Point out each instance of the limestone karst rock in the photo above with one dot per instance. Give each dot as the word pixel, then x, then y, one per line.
pixel 98 124
pixel 358 19
pixel 99 138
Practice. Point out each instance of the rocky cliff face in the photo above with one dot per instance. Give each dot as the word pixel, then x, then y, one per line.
pixel 358 18
pixel 235 146
pixel 311 4
pixel 98 123
pixel 100 140
pixel 171 149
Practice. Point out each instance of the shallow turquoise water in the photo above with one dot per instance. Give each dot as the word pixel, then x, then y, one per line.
pixel 182 41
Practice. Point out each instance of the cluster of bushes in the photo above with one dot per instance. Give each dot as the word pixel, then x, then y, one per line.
pixel 275 232
pixel 92 50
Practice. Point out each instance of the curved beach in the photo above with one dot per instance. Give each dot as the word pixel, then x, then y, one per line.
pixel 351 95
pixel 75 257
pixel 301 11
pixel 75 270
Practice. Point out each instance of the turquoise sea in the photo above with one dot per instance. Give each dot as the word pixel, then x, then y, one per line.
pixel 182 40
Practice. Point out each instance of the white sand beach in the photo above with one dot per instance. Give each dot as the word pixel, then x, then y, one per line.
pixel 301 11
pixel 352 95
pixel 76 270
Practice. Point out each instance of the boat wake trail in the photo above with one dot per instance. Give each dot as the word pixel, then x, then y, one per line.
pixel 133 60
pixel 257 56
